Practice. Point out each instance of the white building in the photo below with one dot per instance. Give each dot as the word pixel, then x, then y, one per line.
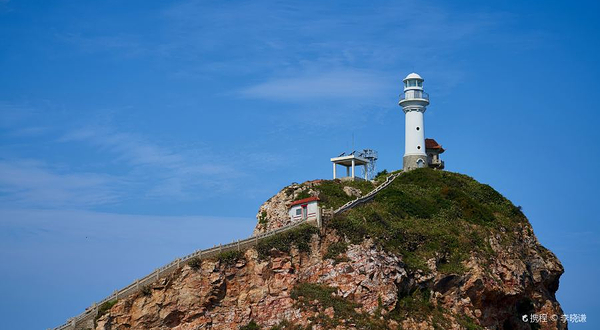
pixel 414 102
pixel 350 162
pixel 305 209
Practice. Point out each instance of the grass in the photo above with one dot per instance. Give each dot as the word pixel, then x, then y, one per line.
pixel 319 297
pixel 250 326
pixel 299 237
pixel 306 293
pixel 230 257
pixel 146 290
pixel 195 263
pixel 334 251
pixel 423 214
pixel 427 214
pixel 302 195
pixel 381 175
pixel 417 305
pixel 332 195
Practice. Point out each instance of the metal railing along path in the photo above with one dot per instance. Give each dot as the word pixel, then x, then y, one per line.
pixel 368 196
pixel 238 245
pixel 134 287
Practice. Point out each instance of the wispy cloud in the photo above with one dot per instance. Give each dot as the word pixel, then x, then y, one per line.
pixel 316 53
pixel 346 84
pixel 174 173
pixel 34 184
pixel 118 166
pixel 293 49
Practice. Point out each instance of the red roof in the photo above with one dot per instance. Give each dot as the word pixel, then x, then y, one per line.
pixel 305 200
pixel 432 144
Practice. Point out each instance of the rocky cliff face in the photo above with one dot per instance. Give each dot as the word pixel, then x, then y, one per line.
pixel 273 213
pixel 352 274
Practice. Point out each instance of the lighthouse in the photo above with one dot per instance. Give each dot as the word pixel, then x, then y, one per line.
pixel 414 102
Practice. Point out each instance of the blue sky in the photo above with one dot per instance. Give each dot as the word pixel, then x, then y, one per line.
pixel 134 132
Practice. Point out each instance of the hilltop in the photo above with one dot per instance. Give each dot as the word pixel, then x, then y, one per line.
pixel 433 250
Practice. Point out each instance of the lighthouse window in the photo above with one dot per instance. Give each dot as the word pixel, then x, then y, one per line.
pixel 418 128
pixel 420 83
pixel 419 147
pixel 412 83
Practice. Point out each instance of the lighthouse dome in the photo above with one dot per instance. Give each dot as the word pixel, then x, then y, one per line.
pixel 413 76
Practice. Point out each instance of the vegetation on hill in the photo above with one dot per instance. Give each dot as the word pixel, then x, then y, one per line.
pixel 298 237
pixel 428 214
pixel 423 214
pixel 428 222
pixel 332 194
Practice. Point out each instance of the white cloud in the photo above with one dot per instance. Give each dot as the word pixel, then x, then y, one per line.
pixel 165 172
pixel 31 183
pixel 341 84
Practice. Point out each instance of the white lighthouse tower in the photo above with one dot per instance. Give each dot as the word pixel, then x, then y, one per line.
pixel 414 102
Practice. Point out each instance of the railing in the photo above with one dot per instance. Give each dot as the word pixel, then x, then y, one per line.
pixel 238 245
pixel 368 196
pixel 414 94
pixel 134 287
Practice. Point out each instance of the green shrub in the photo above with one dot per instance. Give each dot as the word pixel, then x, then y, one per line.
pixel 146 290
pixel 289 191
pixel 302 195
pixel 230 257
pixel 262 219
pixel 381 175
pixel 250 326
pixel 415 303
pixel 344 310
pixel 299 237
pixel 305 293
pixel 195 263
pixel 335 249
pixel 104 308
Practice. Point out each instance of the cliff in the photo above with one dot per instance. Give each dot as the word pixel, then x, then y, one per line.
pixel 434 250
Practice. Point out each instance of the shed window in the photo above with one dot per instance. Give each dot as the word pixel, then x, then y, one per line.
pixel 299 211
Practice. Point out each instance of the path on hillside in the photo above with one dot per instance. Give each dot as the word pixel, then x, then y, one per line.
pixel 87 317
pixel 368 196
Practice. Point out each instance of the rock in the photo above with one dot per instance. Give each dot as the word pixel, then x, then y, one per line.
pixel 329 312
pixel 273 213
pixel 364 282
pixel 352 192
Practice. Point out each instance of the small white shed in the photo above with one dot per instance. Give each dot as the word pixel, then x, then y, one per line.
pixel 305 209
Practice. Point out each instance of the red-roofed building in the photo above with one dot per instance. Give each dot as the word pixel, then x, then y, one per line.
pixel 433 150
pixel 305 209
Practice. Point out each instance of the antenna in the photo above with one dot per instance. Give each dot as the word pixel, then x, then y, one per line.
pixel 352 141
pixel 371 156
